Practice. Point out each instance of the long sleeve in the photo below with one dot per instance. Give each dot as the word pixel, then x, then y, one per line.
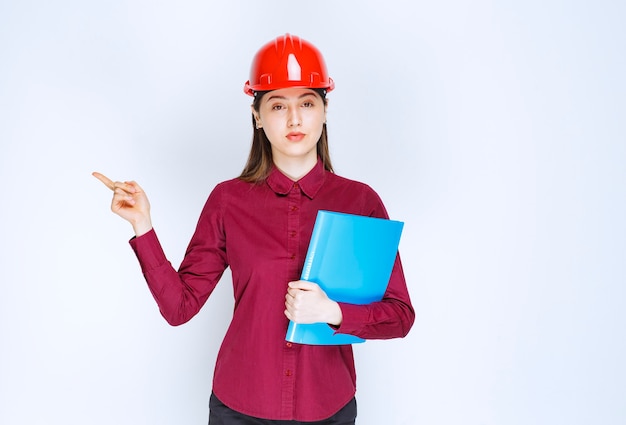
pixel 181 294
pixel 392 317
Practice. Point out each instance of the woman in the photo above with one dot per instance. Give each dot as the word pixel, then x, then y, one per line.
pixel 259 225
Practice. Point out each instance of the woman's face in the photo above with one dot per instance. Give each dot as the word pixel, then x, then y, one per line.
pixel 292 119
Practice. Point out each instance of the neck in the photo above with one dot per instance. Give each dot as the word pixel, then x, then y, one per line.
pixel 295 168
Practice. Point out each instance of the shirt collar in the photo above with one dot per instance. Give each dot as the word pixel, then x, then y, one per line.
pixel 310 184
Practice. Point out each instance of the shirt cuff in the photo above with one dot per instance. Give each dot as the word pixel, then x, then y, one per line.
pixel 148 251
pixel 354 316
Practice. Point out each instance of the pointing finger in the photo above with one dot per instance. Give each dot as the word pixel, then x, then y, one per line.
pixel 104 179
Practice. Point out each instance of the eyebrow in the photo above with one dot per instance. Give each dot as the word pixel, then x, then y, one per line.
pixel 284 97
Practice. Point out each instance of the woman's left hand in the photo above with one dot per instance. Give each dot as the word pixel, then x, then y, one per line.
pixel 306 302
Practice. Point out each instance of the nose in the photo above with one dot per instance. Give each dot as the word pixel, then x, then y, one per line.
pixel 295 120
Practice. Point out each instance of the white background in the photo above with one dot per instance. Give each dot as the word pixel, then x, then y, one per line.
pixel 494 129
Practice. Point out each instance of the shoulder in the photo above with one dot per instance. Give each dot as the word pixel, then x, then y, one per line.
pixel 233 185
pixel 370 202
pixel 226 191
pixel 355 185
pixel 336 179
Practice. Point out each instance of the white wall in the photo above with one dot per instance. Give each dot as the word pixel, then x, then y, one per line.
pixel 494 129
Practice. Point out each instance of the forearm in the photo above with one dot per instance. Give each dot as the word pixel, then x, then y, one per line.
pixel 379 320
pixel 179 295
pixel 392 317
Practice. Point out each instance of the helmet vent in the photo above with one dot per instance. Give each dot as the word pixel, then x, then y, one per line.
pixel 294 71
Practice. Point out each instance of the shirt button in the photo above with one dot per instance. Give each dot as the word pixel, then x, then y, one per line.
pixel 288 372
pixel 289 345
pixel 294 208
pixel 292 233
pixel 295 185
pixel 293 256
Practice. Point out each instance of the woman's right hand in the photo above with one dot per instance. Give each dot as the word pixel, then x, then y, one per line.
pixel 129 202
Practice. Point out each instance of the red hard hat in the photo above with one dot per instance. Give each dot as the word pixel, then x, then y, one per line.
pixel 288 61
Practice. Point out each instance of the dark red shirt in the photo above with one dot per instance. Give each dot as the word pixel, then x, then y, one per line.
pixel 261 231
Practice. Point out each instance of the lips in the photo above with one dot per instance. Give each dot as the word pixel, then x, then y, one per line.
pixel 295 136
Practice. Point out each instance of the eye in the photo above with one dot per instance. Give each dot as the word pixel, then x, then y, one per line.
pixel 277 107
pixel 308 104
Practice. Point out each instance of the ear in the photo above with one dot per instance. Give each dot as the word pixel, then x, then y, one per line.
pixel 256 116
pixel 325 110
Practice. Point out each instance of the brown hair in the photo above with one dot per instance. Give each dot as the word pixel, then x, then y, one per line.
pixel 260 160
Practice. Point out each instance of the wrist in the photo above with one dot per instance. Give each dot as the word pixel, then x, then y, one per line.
pixel 142 227
pixel 335 317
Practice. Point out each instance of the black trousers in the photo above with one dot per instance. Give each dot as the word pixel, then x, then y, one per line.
pixel 219 414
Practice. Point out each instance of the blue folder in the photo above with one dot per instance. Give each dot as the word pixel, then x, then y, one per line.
pixel 350 257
